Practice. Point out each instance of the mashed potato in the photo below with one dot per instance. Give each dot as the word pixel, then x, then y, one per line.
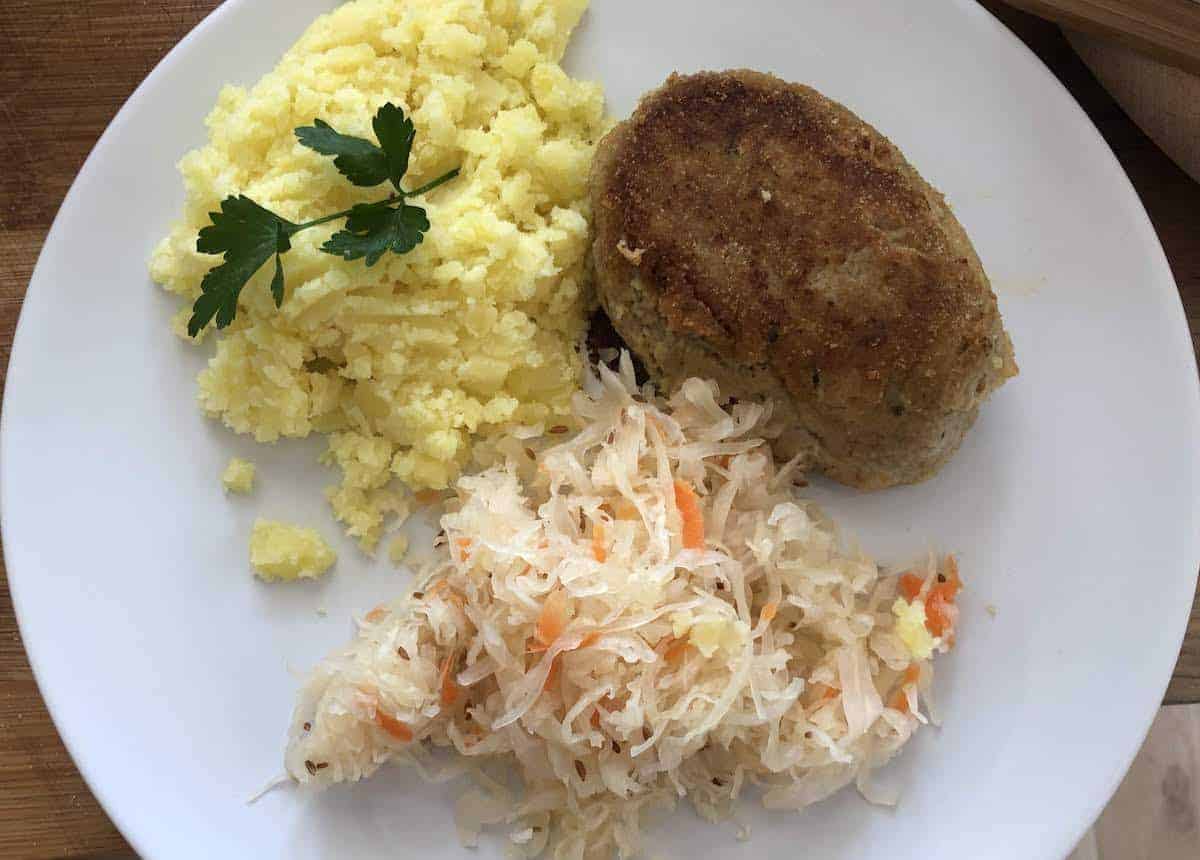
pixel 415 365
pixel 288 552
pixel 238 476
pixel 911 627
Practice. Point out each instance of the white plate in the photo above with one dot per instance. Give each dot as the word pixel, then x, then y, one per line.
pixel 1073 503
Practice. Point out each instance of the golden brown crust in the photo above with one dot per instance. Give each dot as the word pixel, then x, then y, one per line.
pixel 773 235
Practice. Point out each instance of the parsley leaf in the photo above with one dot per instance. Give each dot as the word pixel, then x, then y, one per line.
pixel 373 229
pixel 248 235
pixel 396 133
pixel 359 160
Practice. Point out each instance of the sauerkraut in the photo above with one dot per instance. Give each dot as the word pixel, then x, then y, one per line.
pixel 628 612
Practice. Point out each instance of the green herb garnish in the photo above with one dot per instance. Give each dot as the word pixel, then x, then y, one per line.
pixel 249 235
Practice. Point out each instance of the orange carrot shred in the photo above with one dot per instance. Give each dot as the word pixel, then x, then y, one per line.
pixel 450 596
pixel 552 675
pixel 448 684
pixel 377 614
pixel 768 612
pixel 676 650
pixel 598 548
pixel 595 719
pixel 899 699
pixel 689 511
pixel 464 548
pixel 937 618
pixel 825 692
pixel 910 586
pixel 400 731
pixel 590 640
pixel 553 618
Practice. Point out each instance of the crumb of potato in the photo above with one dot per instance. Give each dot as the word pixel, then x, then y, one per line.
pixel 280 551
pixel 415 366
pixel 398 549
pixel 238 476
pixel 364 512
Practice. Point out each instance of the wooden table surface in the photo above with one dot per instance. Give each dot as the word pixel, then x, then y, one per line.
pixel 66 66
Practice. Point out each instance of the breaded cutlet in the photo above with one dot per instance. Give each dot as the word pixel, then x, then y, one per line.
pixel 752 231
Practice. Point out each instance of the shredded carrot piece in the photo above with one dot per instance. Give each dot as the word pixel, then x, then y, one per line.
pixel 910 586
pixel 377 614
pixel 595 719
pixel 464 548
pixel 400 731
pixel 825 692
pixel 937 619
pixel 599 551
pixel 451 596
pixel 590 640
pixel 448 684
pixel 553 619
pixel 552 675
pixel 941 597
pixel 693 520
pixel 676 650
pixel 899 699
pixel 768 612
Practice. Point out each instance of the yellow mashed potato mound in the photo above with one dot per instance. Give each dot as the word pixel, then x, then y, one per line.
pixel 281 551
pixel 416 365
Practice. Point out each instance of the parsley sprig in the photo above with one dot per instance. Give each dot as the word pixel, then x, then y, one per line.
pixel 249 235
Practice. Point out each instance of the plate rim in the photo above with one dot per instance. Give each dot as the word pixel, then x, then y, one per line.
pixel 1185 343
pixel 109 805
